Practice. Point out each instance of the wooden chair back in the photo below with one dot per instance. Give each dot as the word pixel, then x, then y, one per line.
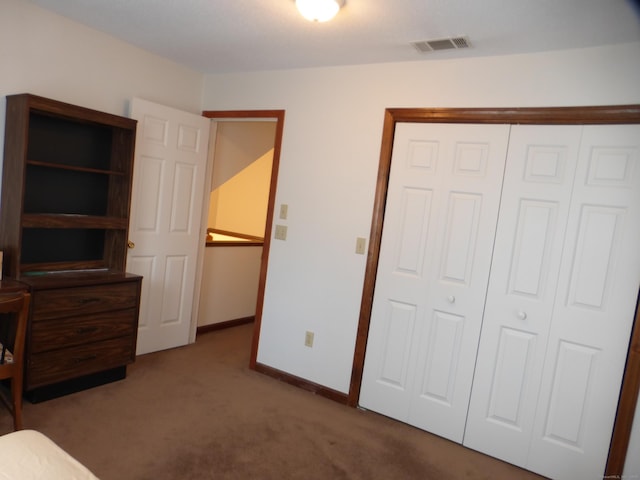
pixel 14 306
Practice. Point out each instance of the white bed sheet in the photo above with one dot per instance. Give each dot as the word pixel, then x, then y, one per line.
pixel 30 455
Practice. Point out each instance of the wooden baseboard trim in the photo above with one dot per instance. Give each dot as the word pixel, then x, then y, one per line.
pixel 302 383
pixel 222 325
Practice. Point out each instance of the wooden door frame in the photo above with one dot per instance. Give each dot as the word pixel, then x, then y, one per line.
pixel 615 114
pixel 278 115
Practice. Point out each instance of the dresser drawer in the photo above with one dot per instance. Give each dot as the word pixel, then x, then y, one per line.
pixel 56 366
pixel 61 302
pixel 67 332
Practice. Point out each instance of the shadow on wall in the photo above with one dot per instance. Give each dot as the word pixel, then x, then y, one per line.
pixel 243 158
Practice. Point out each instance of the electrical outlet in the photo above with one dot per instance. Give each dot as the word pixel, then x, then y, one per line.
pixel 284 211
pixel 308 339
pixel 281 232
pixel 361 245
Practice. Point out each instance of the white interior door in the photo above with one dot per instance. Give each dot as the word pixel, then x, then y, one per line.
pixel 536 196
pixel 168 191
pixel 561 300
pixel 594 309
pixel 440 217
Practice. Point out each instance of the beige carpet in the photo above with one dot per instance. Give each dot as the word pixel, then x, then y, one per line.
pixel 198 412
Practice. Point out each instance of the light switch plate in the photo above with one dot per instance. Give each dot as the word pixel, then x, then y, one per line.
pixel 361 245
pixel 284 211
pixel 308 339
pixel 281 232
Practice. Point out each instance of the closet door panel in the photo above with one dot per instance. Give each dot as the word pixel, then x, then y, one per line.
pixel 442 203
pixel 458 280
pixel 594 310
pixel 541 163
pixel 398 306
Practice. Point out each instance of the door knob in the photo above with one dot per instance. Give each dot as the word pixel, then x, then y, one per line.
pixel 130 244
pixel 522 315
pixel 451 299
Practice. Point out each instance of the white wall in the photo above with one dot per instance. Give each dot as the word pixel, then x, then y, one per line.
pixel 48 55
pixel 229 284
pixel 329 162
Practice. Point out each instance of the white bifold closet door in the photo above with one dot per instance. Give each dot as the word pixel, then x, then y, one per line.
pixel 561 300
pixel 439 227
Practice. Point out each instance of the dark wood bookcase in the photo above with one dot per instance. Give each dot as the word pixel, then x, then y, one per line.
pixel 64 217
pixel 66 187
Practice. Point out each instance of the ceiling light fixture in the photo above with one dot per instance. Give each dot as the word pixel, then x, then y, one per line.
pixel 319 10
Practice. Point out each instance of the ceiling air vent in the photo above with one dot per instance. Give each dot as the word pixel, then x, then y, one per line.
pixel 441 44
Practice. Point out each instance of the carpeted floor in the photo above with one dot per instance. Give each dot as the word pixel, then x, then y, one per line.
pixel 198 412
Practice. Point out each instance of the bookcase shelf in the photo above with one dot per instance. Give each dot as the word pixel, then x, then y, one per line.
pixel 77 169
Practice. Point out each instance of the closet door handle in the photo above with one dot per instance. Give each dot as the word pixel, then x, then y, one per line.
pixel 451 299
pixel 522 315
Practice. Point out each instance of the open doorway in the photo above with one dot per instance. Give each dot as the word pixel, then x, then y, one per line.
pixel 245 169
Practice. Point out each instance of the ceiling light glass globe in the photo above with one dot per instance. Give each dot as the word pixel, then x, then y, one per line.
pixel 318 10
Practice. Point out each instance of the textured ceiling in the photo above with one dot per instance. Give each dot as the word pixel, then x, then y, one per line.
pixel 221 36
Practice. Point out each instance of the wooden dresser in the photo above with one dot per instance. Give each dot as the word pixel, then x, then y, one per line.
pixel 82 332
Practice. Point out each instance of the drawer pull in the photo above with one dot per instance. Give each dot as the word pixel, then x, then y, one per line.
pixel 86 330
pixel 86 358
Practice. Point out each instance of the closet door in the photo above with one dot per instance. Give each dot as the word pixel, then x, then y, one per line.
pixel 594 309
pixel 560 304
pixel 536 197
pixel 439 226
